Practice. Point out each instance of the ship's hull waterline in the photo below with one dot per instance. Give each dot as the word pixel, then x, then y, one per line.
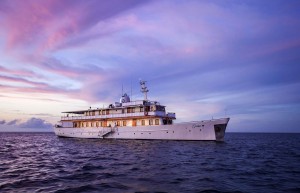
pixel 198 130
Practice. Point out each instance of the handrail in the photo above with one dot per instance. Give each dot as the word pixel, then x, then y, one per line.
pixel 120 115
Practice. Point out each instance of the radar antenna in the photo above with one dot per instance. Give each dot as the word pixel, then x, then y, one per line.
pixel 144 89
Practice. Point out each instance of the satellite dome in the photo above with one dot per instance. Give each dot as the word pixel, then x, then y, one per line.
pixel 125 98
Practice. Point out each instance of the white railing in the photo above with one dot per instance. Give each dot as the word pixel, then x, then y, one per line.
pixel 133 103
pixel 120 115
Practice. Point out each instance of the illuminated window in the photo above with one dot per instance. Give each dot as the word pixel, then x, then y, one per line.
pixel 92 124
pixel 150 122
pixel 97 124
pixel 124 123
pixel 156 121
pixel 143 122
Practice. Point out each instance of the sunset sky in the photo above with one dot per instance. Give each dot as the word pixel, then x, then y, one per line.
pixel 201 59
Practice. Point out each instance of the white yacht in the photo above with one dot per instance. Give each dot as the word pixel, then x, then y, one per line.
pixel 141 119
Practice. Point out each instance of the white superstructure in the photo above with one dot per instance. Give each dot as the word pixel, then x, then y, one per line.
pixel 141 119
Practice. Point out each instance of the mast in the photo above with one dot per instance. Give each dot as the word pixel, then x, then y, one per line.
pixel 144 89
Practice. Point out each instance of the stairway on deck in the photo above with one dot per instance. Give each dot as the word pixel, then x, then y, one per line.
pixel 105 133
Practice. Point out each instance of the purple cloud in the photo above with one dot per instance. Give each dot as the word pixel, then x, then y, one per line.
pixel 36 123
pixel 13 122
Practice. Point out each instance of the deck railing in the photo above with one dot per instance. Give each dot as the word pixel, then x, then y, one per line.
pixel 119 115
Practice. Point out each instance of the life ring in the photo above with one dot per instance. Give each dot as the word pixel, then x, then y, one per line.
pixel 145 113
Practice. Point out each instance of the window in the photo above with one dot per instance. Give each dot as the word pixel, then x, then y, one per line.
pixel 92 124
pixel 150 122
pixel 97 124
pixel 143 122
pixel 118 123
pixel 156 121
pixel 124 123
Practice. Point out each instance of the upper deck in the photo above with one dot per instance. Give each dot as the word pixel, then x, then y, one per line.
pixel 125 109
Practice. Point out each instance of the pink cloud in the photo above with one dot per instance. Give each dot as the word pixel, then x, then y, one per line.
pixel 46 24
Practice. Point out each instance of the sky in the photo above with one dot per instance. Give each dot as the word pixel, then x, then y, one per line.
pixel 202 59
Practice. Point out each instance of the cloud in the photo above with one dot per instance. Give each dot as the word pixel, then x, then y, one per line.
pixel 47 24
pixel 13 122
pixel 35 123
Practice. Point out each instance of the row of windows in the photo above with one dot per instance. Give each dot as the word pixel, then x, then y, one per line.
pixel 151 122
pixel 117 123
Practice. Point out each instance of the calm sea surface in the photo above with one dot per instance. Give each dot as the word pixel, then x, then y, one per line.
pixel 42 162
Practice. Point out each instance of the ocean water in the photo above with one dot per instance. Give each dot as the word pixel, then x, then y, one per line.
pixel 42 162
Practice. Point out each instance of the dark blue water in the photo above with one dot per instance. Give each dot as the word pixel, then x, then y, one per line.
pixel 42 162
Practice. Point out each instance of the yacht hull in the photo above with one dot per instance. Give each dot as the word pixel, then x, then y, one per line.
pixel 197 130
